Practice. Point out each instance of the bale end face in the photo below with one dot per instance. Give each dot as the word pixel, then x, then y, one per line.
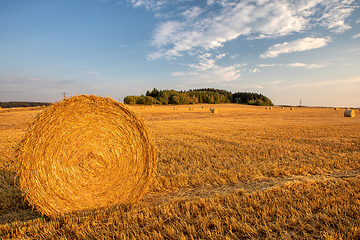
pixel 85 152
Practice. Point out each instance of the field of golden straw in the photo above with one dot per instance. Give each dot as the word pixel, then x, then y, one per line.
pixel 245 172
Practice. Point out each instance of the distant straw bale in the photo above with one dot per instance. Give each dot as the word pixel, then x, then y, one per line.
pixel 291 108
pixel 191 108
pixel 214 110
pixel 175 108
pixel 85 152
pixel 349 113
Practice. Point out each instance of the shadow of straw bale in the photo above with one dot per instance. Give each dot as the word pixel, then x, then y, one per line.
pixel 13 205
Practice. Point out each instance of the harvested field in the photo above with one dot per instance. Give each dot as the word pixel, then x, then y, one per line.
pixel 243 173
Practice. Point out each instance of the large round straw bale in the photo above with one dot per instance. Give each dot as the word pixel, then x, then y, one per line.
pixel 85 152
pixel 214 110
pixel 349 113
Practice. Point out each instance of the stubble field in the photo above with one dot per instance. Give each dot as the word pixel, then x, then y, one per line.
pixel 243 173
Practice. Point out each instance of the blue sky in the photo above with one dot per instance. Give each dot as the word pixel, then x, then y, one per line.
pixel 288 50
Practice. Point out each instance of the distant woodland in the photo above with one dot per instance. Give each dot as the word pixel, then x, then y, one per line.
pixel 165 97
pixel 22 104
pixel 205 95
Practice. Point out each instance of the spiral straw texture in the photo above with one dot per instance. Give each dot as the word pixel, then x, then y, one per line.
pixel 85 152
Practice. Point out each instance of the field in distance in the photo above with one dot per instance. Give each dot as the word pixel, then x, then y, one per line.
pixel 245 172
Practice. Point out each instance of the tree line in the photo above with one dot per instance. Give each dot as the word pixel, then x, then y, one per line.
pixel 193 96
pixel 22 104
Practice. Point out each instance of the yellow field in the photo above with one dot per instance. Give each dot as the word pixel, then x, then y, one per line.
pixel 242 173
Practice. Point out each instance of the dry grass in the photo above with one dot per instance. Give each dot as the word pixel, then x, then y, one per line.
pixel 243 173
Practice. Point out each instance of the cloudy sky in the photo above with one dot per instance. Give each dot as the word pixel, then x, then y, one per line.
pixel 288 50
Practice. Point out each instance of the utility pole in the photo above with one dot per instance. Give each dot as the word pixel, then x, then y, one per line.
pixel 64 93
pixel 300 102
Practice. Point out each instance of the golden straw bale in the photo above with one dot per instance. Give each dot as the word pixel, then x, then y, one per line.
pixel 349 113
pixel 85 152
pixel 214 110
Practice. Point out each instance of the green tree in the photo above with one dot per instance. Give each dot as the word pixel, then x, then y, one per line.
pixel 130 100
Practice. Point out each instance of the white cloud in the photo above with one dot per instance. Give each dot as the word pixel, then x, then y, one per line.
pixel 257 86
pixel 192 12
pixel 207 71
pixel 255 70
pixel 149 4
pixel 307 66
pixel 335 13
pixel 220 56
pixel 270 65
pixel 165 32
pixel 298 45
pixel 356 36
pixel 206 28
pixel 296 65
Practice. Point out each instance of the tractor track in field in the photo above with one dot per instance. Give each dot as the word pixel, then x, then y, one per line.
pixel 189 193
pixel 192 193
